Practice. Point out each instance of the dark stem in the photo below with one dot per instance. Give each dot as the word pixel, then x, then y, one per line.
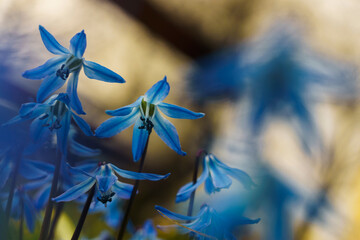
pixel 196 170
pixel 58 210
pixel 133 194
pixel 21 232
pixel 83 214
pixel 46 222
pixel 3 228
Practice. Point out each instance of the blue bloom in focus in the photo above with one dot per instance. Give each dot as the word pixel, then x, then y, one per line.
pixel 208 224
pixel 67 64
pixel 144 112
pixel 147 232
pixel 107 183
pixel 54 114
pixel 216 176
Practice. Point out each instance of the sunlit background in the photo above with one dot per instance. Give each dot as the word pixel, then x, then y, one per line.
pixel 308 180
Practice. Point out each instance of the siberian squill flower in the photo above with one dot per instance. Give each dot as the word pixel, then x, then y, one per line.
pixel 216 176
pixel 145 114
pixel 147 232
pixel 207 224
pixel 107 183
pixel 66 65
pixel 54 114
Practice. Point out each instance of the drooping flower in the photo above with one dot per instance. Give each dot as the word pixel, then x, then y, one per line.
pixel 207 224
pixel 145 114
pixel 107 183
pixel 54 114
pixel 147 232
pixel 58 69
pixel 216 176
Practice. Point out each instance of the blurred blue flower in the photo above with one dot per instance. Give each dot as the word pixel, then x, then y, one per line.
pixel 112 214
pixel 54 113
pixel 69 63
pixel 144 112
pixel 208 224
pixel 107 183
pixel 147 232
pixel 216 177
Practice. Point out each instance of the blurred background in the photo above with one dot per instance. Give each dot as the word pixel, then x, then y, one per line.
pixel 277 80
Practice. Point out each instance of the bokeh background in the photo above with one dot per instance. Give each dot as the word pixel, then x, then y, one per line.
pixel 308 184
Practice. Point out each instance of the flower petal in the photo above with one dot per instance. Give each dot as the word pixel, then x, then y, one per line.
pixel 29 212
pixel 174 216
pixel 124 110
pixel 62 133
pixel 78 44
pixel 96 71
pixel 76 191
pixel 50 66
pixel 83 151
pixel 38 132
pixel 5 171
pixel 105 182
pixel 140 137
pixel 167 132
pixel 72 92
pixel 122 190
pixel 157 92
pixel 50 84
pixel 174 111
pixel 41 198
pixel 219 178
pixel 84 126
pixel 50 42
pixel 115 125
pixel 31 172
pixel 138 176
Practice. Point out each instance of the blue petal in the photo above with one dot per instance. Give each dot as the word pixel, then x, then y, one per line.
pixel 115 125
pixel 78 44
pixel 105 182
pixel 124 110
pixel 83 125
pixel 41 198
pixel 122 190
pixel 76 191
pixel 30 172
pixel 83 151
pixel 63 131
pixel 5 171
pixel 50 42
pixel 138 176
pixel 167 132
pixel 38 183
pixel 72 92
pixel 174 216
pixel 29 211
pixel 158 92
pixel 43 166
pixel 46 69
pixel 50 84
pixel 38 131
pixel 218 176
pixel 96 71
pixel 140 137
pixel 174 111
pixel 16 119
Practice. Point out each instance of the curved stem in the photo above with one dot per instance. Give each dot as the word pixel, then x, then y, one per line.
pixel 58 210
pixel 196 170
pixel 21 232
pixel 133 194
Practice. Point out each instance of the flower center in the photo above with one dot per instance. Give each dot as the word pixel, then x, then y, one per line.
pixel 72 63
pixel 105 197
pixel 55 115
pixel 147 112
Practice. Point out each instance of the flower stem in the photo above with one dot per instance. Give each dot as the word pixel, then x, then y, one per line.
pixel 21 232
pixel 83 214
pixel 133 194
pixel 46 222
pixel 58 210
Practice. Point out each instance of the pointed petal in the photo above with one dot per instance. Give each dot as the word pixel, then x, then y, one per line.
pixel 50 42
pixel 157 92
pixel 83 151
pixel 50 84
pixel 29 212
pixel 122 190
pixel 115 125
pixel 78 44
pixel 41 198
pixel 96 71
pixel 62 133
pixel 140 137
pixel 46 69
pixel 105 182
pixel 38 131
pixel 174 111
pixel 16 119
pixel 72 93
pixel 124 110
pixel 174 216
pixel 218 176
pixel 43 166
pixel 76 191
pixel 84 126
pixel 30 172
pixel 167 132
pixel 5 171
pixel 138 176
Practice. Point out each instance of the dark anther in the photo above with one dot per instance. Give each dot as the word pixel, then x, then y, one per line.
pixel 147 124
pixel 106 198
pixel 63 72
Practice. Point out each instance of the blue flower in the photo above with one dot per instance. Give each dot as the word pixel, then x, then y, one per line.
pixel 54 114
pixel 66 65
pixel 107 183
pixel 208 224
pixel 112 214
pixel 216 177
pixel 147 232
pixel 145 114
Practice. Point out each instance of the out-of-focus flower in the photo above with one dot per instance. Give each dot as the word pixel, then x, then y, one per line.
pixel 216 177
pixel 144 112
pixel 107 183
pixel 147 232
pixel 208 224
pixel 69 63
pixel 112 214
pixel 54 113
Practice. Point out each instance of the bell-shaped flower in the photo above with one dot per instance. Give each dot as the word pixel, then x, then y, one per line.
pixel 145 114
pixel 106 183
pixel 216 176
pixel 147 232
pixel 54 114
pixel 207 224
pixel 66 65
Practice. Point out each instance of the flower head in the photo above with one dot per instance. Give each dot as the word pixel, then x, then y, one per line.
pixel 66 65
pixel 216 176
pixel 145 114
pixel 147 232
